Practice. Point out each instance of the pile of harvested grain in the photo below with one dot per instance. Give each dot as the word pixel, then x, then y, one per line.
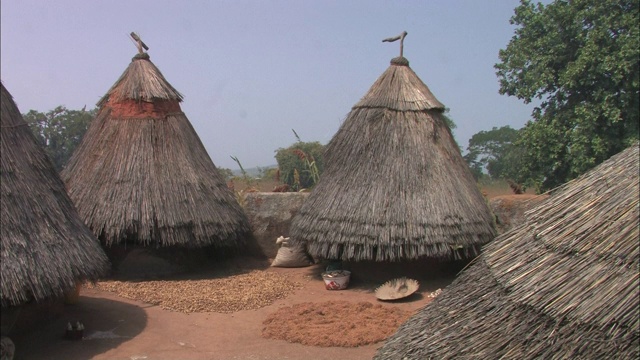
pixel 334 323
pixel 234 293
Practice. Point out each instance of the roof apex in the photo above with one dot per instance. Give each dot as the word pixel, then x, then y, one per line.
pixel 141 81
pixel 399 88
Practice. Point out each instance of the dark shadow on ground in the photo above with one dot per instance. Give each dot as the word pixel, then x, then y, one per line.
pixel 107 323
pixel 135 263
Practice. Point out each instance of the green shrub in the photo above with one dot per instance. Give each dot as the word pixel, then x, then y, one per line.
pixel 300 164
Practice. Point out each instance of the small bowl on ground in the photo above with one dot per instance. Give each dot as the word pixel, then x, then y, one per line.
pixel 336 279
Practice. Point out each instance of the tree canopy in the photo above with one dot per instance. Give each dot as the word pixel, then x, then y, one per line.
pixel 59 131
pixel 580 59
pixel 493 150
pixel 447 119
pixel 226 173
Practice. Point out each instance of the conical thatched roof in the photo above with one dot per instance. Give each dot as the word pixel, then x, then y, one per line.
pixel 45 246
pixel 141 81
pixel 563 285
pixel 395 185
pixel 141 173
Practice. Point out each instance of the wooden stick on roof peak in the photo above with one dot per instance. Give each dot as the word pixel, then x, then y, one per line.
pixel 399 37
pixel 139 42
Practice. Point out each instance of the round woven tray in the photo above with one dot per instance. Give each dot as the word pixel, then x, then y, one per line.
pixel 397 289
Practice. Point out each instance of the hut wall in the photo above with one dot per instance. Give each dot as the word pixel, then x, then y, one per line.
pixel 270 216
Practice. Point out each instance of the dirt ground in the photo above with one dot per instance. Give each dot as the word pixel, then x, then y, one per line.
pixel 119 328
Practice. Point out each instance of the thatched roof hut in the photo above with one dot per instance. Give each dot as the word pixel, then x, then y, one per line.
pixel 395 186
pixel 142 175
pixel 45 246
pixel 563 285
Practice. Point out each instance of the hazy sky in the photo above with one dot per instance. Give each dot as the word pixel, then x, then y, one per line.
pixel 251 71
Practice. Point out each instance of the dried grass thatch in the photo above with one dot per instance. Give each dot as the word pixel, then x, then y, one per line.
pixel 397 288
pixel 564 285
pixel 395 186
pixel 141 173
pixel 45 246
pixel 141 81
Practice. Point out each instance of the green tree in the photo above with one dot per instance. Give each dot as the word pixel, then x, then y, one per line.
pixel 492 150
pixel 447 119
pixel 270 173
pixel 580 58
pixel 226 173
pixel 303 159
pixel 59 131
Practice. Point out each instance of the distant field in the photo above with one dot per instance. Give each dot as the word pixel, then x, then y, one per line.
pixel 499 187
pixel 490 190
pixel 262 185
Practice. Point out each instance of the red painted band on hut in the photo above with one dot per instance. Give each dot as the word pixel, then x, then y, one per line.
pixel 137 109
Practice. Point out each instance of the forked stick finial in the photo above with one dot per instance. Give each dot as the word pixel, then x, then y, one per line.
pixel 139 42
pixel 399 37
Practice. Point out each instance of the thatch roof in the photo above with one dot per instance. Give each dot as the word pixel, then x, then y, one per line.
pixel 141 173
pixel 395 185
pixel 141 81
pixel 563 285
pixel 45 246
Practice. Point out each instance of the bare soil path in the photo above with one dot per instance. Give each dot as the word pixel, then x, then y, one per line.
pixel 119 328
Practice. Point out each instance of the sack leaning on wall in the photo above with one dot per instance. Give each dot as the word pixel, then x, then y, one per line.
pixel 288 256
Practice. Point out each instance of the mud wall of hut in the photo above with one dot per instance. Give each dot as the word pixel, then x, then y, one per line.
pixel 270 214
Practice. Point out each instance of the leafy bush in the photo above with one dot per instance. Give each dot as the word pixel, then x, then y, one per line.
pixel 300 164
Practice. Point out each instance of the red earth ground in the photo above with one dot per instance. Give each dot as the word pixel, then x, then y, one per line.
pixel 118 328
